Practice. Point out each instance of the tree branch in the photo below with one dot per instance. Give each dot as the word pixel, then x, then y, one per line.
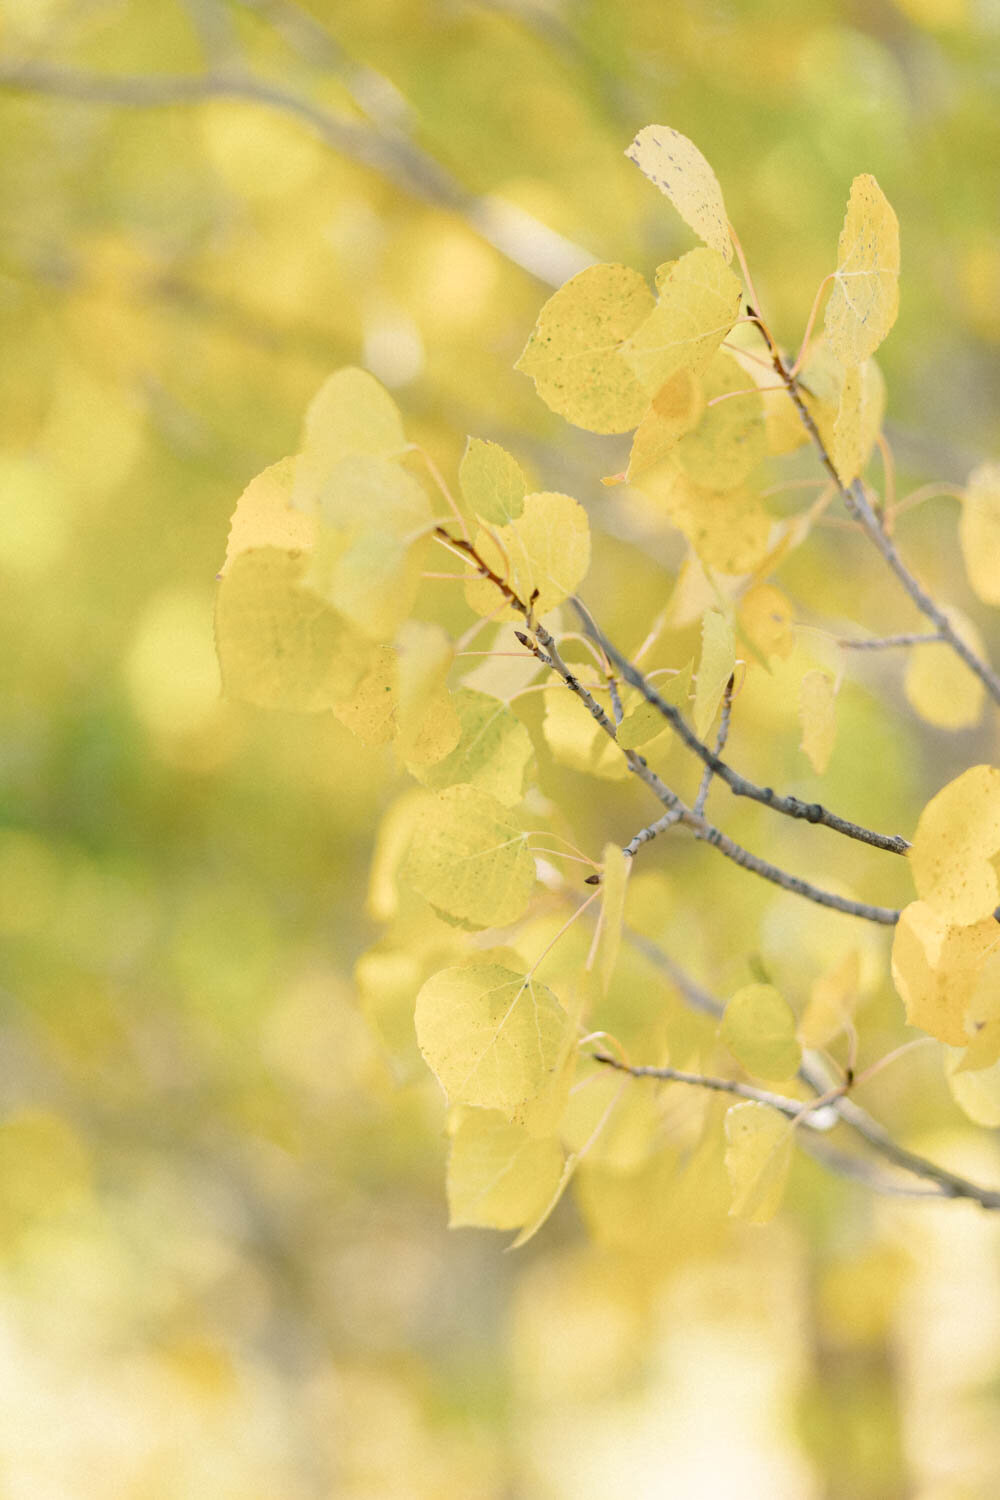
pixel 741 786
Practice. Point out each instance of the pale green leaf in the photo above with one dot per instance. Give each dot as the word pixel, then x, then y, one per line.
pixel 499 1176
pixel 351 413
pixel 758 1026
pixel 545 553
pixel 698 304
pixel 492 753
pixel 865 297
pixel 469 858
pixel 718 659
pixel 758 1158
pixel 492 482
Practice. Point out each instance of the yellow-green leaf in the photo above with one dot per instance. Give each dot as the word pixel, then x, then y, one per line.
pixel 577 740
pixel 939 686
pixel 680 171
pixel 499 1176
pixel 279 645
pixel 673 411
pixel 955 847
pixel 264 516
pixel 427 724
pixel 698 303
pixel 547 549
pixel 859 419
pixel 492 481
pixel 492 752
pixel 645 722
pixel 865 297
pixel 574 356
pixel 718 659
pixel 370 710
pixel 759 1028
pixel 818 717
pixel 976 1092
pixel 728 529
pixel 351 413
pixel 759 1143
pixel 979 532
pixel 729 440
pixel 470 859
pixel 492 1038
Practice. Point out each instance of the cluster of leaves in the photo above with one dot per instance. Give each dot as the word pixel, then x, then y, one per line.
pixel 327 603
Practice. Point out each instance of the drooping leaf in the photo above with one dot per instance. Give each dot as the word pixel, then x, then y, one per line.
pixel 470 859
pixel 865 297
pixel 979 532
pixel 279 645
pixel 492 753
pixel 859 418
pixel 936 966
pixel 350 414
pixel 718 659
pixel 832 1002
pixel 818 717
pixel 492 481
pixel 574 355
pixel 547 549
pixel 698 303
pixel 759 1028
pixel 758 1157
pixel 939 686
pixel 680 171
pixel 499 1176
pixel 492 1038
pixel 955 847
pixel 264 516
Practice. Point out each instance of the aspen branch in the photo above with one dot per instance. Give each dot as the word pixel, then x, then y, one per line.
pixel 850 1114
pixel 860 509
pixel 794 1109
pixel 740 786
pixel 886 642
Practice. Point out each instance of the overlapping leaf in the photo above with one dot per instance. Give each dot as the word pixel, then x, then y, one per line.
pixel 698 303
pixel 956 848
pixel 469 858
pixel 865 297
pixel 680 171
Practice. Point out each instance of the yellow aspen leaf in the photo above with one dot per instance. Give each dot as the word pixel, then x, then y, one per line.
pixel 615 871
pixel 983 1014
pixel 759 1144
pixel 955 847
pixel 728 529
pixel 832 1002
pixel 679 170
pixel 492 482
pixel 279 645
pixel 547 549
pixel 392 841
pixel 368 553
pixel 612 1125
pixel 976 1092
pixel 766 615
pixel 427 726
pixel 718 659
pixel 758 1026
pixel 491 1037
pixel 698 303
pixel 729 439
pixel 859 419
pixel 531 1229
pixel 470 859
pixel 573 354
pixel 492 753
pixel 351 413
pixel 673 411
pixel 818 717
pixel 370 710
pixel 940 687
pixel 936 967
pixel 577 740
pixel 499 1176
pixel 645 722
pixel 264 516
pixel 821 383
pixel 979 532
pixel 865 297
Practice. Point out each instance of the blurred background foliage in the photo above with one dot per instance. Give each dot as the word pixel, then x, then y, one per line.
pixel 224 1267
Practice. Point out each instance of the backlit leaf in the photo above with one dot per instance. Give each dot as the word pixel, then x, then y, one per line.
pixel 492 481
pixel 546 549
pixel 470 859
pixel 859 418
pixel 729 439
pixel 698 303
pixel 577 740
pixel 977 1093
pixel 370 710
pixel 728 529
pixel 492 1038
pixel 351 413
pixel 979 532
pixel 279 645
pixel 865 297
pixel 492 752
pixel 758 1157
pixel 718 659
pixel 426 722
pixel 956 845
pixel 680 171
pixel 940 687
pixel 673 411
pixel 499 1176
pixel 574 355
pixel 818 717
pixel 936 967
pixel 645 722
pixel 759 1028
pixel 264 516
pixel 832 1002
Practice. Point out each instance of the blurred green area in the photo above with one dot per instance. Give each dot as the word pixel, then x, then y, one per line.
pixel 224 1267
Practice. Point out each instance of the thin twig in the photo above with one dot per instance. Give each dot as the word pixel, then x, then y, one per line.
pixel 741 786
pixel 885 642
pixel 793 1108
